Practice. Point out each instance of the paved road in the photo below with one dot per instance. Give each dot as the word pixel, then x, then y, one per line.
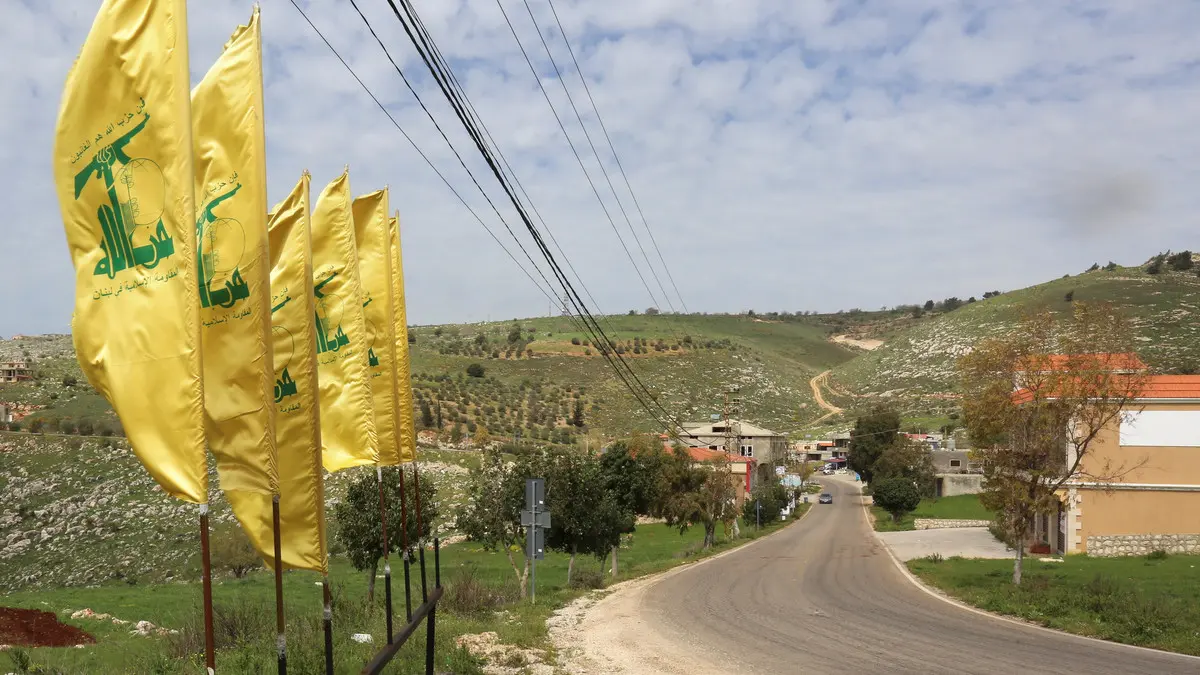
pixel 823 596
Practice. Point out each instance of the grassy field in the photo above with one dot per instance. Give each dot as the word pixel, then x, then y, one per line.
pixel 481 596
pixel 960 507
pixel 1141 601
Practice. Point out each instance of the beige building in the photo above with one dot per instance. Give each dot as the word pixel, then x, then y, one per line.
pixel 1156 502
pixel 764 446
pixel 14 371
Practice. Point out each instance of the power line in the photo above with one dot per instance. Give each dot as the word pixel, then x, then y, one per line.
pixel 620 366
pixel 616 157
pixel 421 153
pixel 592 145
pixel 578 158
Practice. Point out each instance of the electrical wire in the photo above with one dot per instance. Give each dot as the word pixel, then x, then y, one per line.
pixel 422 153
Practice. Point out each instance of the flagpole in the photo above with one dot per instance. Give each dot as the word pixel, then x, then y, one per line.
pixel 210 658
pixel 404 538
pixel 387 566
pixel 327 620
pixel 280 633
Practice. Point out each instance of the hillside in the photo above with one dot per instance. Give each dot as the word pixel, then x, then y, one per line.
pixel 914 369
pixel 534 376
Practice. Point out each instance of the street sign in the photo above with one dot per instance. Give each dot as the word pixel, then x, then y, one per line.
pixel 537 544
pixel 542 519
pixel 535 493
pixel 535 518
pixel 779 470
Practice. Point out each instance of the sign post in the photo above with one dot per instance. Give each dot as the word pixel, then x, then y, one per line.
pixel 536 520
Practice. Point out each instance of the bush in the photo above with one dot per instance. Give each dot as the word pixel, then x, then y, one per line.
pixel 69 381
pixel 66 426
pixel 1157 554
pixel 467 594
pixel 1111 266
pixel 475 370
pixel 575 341
pixel 1070 296
pixel 896 495
pixel 86 427
pixel 772 497
pixel 590 579
pixel 1180 262
pixel 233 552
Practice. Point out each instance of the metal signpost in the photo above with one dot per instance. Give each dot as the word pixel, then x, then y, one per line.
pixel 536 519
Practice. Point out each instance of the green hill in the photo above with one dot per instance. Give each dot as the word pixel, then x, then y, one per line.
pixel 914 369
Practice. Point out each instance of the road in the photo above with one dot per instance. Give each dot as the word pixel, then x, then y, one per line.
pixel 816 383
pixel 822 596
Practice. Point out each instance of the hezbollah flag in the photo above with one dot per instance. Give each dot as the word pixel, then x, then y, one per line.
pixel 123 169
pixel 235 280
pixel 375 274
pixel 347 409
pixel 406 433
pixel 297 422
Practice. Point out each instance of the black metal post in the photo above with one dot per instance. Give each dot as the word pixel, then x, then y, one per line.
pixel 407 589
pixel 327 619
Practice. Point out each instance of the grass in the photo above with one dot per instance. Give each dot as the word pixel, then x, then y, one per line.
pixel 246 619
pixel 959 507
pixel 1140 601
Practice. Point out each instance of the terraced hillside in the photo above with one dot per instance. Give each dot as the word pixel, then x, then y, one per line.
pixel 914 369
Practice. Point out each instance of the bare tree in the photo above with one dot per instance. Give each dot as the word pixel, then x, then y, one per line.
pixel 1035 402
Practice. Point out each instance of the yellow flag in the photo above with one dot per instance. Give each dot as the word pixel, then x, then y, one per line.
pixel 235 280
pixel 297 421
pixel 375 273
pixel 347 412
pixel 124 174
pixel 406 432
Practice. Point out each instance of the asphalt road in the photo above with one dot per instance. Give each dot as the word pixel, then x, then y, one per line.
pixel 823 596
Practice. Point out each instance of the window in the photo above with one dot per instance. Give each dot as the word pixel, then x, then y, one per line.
pixel 747 451
pixel 712 447
pixel 955 462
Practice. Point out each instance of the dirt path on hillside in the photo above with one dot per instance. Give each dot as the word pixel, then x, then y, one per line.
pixel 816 383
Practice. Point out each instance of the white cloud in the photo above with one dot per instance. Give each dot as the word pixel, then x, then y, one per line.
pixel 789 155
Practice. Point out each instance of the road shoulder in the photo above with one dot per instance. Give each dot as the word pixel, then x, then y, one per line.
pixel 605 633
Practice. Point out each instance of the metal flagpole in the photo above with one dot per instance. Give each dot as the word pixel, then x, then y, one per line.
pixel 280 633
pixel 404 539
pixel 387 566
pixel 210 658
pixel 327 619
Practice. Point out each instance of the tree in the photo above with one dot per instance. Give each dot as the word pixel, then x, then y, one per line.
pixel 492 516
pixel 1180 262
pixel 1094 267
pixel 359 529
pixel 1036 400
pixel 951 303
pixel 233 552
pixel 695 495
pixel 928 306
pixel 426 415
pixel 766 502
pixel 1070 296
pixel 515 334
pixel 475 370
pixel 456 432
pixel 917 312
pixel 577 415
pixel 651 311
pixel 86 427
pixel 908 459
pixel 1155 265
pixel 632 471
pixel 585 517
pixel 1111 266
pixel 896 495
pixel 872 434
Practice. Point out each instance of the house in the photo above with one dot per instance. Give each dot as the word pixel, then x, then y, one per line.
pixel 1155 503
pixel 14 371
pixel 742 469
pixel 764 446
pixel 955 473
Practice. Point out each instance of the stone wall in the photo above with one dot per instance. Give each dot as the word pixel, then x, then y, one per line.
pixel 940 523
pixel 1142 544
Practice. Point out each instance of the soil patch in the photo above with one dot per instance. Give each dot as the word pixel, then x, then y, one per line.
pixel 35 628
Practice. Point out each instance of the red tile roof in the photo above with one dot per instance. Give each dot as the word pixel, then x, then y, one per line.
pixel 1153 386
pixel 1127 361
pixel 707 455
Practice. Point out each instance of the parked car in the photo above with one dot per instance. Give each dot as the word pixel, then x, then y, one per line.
pixel 825 498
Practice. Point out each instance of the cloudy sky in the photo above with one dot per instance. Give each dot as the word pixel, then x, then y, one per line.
pixel 787 154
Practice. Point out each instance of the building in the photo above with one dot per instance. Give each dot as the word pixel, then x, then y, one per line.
pixel 14 371
pixel 956 474
pixel 764 446
pixel 1155 504
pixel 742 469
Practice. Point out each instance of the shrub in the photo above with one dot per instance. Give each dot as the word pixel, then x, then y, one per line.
pixel 1094 267
pixel 1111 266
pixel 86 427
pixel 1070 296
pixel 14 426
pixel 467 594
pixel 934 558
pixel 475 370
pixel 233 552
pixel 66 426
pixel 1181 261
pixel 1157 554
pixel 896 495
pixel 69 381
pixel 587 579
pixel 575 341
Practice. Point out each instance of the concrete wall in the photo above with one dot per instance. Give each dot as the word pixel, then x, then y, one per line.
pixel 1142 544
pixel 953 484
pixel 1178 463
pixel 944 523
pixel 1124 512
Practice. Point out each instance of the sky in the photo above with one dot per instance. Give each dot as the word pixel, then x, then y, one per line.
pixel 815 155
